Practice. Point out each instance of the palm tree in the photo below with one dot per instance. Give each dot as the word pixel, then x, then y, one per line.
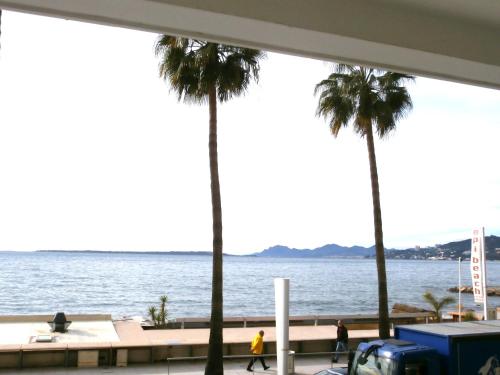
pixel 370 98
pixel 153 315
pixel 163 311
pixel 436 304
pixel 200 71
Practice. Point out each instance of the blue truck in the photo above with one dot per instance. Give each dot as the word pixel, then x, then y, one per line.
pixel 468 348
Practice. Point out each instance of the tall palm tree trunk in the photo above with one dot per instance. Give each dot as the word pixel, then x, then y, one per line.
pixel 214 364
pixel 383 313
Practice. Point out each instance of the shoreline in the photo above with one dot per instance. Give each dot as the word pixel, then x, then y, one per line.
pixel 255 255
pixel 491 291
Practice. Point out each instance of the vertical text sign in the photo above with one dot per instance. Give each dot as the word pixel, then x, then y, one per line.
pixel 476 264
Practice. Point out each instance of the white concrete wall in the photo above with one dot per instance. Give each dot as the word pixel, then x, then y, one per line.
pixel 449 39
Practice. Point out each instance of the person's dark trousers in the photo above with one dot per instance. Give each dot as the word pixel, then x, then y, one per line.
pixel 341 347
pixel 254 359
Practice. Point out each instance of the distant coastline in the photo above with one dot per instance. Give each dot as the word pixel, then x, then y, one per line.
pixel 132 252
pixel 449 251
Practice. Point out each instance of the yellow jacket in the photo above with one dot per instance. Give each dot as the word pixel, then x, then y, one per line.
pixel 257 344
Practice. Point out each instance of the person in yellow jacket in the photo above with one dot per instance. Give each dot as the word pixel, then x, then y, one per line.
pixel 257 347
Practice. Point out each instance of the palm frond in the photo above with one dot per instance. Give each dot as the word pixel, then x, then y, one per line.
pixel 377 98
pixel 430 299
pixel 153 314
pixel 192 66
pixel 332 104
pixel 437 304
pixel 445 301
pixel 342 68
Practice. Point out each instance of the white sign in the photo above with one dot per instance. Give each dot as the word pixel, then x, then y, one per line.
pixel 477 265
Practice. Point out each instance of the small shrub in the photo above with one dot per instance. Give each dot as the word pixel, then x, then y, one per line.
pixel 437 304
pixel 159 315
pixel 469 316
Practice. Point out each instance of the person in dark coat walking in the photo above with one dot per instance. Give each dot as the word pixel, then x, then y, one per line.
pixel 342 340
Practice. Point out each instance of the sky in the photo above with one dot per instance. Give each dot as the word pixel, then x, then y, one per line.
pixel 96 153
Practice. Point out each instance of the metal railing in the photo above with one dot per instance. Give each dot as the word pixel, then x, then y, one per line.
pixel 248 356
pixel 302 320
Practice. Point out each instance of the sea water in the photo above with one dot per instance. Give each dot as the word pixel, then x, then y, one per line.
pixel 125 284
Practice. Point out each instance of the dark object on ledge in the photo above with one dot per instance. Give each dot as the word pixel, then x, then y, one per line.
pixel 59 323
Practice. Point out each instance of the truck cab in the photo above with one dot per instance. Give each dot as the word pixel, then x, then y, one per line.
pixel 464 348
pixel 394 357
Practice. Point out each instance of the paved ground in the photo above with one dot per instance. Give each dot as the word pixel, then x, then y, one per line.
pixel 132 331
pixel 87 331
pixel 303 366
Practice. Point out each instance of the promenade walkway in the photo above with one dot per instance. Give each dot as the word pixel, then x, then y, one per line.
pixel 303 366
pixel 89 343
pixel 128 331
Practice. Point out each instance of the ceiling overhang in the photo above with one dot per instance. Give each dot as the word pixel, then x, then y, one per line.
pixel 457 40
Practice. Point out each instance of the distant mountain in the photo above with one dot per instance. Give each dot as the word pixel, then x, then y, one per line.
pixel 331 250
pixel 492 243
pixel 451 250
pixel 342 251
pixel 284 251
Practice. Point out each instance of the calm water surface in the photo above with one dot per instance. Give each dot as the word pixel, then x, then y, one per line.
pixel 126 284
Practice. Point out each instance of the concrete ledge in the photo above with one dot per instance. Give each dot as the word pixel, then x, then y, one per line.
pixel 46 318
pixel 45 355
pixel 121 358
pixel 140 355
pixel 43 358
pixel 88 345
pixel 88 358
pixel 131 344
pixel 10 348
pixel 9 359
pixel 10 356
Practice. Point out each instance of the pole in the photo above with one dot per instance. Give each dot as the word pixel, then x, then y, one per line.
pixel 281 300
pixel 459 289
pixel 483 266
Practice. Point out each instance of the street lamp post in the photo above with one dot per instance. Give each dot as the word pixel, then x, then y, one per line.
pixel 459 289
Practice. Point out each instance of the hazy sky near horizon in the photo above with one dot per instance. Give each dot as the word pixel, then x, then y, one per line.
pixel 95 153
